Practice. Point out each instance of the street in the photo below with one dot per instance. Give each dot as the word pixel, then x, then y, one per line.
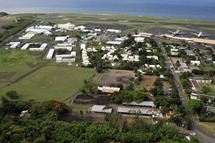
pixel 206 137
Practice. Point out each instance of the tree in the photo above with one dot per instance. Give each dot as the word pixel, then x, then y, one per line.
pixel 194 105
pixel 130 87
pixel 205 89
pixel 158 83
pixel 204 99
pixel 12 94
pixel 188 123
pixel 161 101
pixel 120 86
pixel 178 64
pixel 185 83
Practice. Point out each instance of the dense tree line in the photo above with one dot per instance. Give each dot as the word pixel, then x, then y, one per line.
pixel 44 126
pixel 128 96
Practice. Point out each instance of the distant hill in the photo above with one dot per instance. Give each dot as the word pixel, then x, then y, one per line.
pixel 3 14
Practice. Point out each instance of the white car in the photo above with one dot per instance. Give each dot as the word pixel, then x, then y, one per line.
pixel 193 134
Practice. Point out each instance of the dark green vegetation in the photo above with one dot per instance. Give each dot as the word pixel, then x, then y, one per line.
pixel 128 96
pixel 199 108
pixel 12 29
pixel 43 126
pixel 185 81
pixel 3 14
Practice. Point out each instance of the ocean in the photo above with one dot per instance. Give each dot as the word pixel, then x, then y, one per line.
pixel 183 9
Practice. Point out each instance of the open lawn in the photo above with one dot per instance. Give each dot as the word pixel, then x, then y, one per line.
pixel 207 127
pixel 14 64
pixel 211 87
pixel 53 81
pixel 193 67
pixel 127 17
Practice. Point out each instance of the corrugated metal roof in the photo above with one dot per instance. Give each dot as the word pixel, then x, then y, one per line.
pixel 144 103
pixel 100 108
pixel 134 111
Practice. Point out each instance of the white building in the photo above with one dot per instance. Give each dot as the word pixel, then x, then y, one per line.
pixel 14 45
pixel 197 63
pixel 141 111
pixel 152 57
pixel 50 54
pixel 67 26
pixel 45 27
pixel 139 39
pixel 101 109
pixel 41 48
pixel 142 104
pixel 174 51
pixel 198 97
pixel 81 28
pixel 113 31
pixel 27 36
pixel 25 47
pixel 39 30
pixel 61 38
pixel 114 43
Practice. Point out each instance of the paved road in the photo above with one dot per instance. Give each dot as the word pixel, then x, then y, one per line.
pixel 10 38
pixel 206 137
pixel 78 52
pixel 27 74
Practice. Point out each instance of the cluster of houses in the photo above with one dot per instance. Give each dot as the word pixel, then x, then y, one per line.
pixel 38 29
pixel 64 43
pixel 128 57
pixel 110 55
pixel 85 57
pixel 117 41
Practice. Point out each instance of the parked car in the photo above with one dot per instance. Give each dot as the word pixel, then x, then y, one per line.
pixel 193 134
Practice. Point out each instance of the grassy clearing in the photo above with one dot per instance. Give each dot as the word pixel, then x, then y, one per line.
pixel 97 77
pixel 127 17
pixel 211 87
pixel 53 81
pixel 176 27
pixel 210 29
pixel 77 107
pixel 207 127
pixel 14 64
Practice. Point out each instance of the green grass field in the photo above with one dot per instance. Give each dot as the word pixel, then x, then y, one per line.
pixel 53 81
pixel 127 17
pixel 207 127
pixel 14 64
pixel 211 87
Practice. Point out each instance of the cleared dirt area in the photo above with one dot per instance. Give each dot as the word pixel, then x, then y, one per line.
pixel 114 77
pixel 166 86
pixel 92 99
pixel 148 81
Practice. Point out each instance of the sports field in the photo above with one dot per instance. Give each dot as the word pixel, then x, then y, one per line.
pixel 194 67
pixel 14 64
pixel 53 81
pixel 174 60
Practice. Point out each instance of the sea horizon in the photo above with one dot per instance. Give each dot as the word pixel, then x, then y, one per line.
pixel 177 9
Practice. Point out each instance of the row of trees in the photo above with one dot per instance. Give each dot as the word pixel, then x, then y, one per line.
pixel 128 96
pixel 43 127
